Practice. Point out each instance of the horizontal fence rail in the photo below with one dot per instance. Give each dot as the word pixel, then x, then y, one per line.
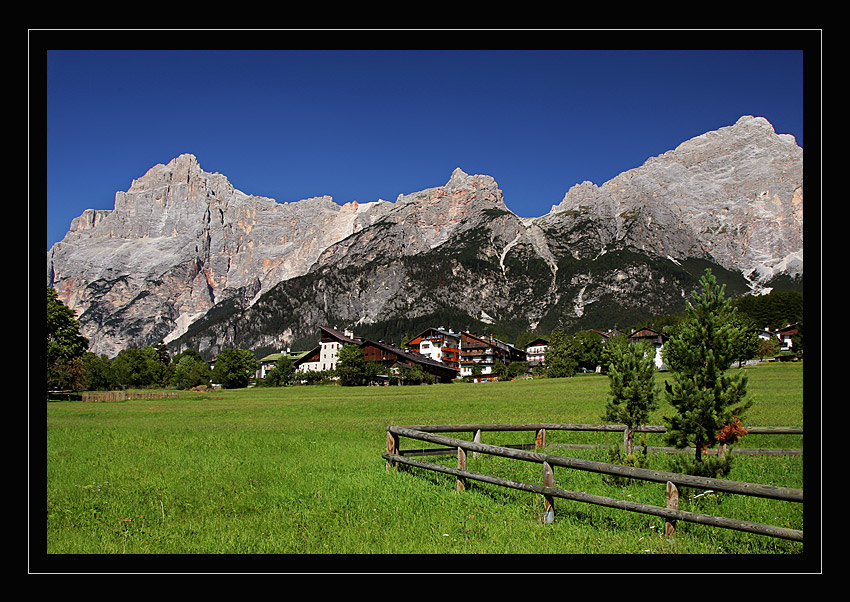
pixel 125 395
pixel 461 428
pixel 395 456
pixel 541 428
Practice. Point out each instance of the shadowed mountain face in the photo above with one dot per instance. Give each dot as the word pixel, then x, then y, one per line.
pixel 186 258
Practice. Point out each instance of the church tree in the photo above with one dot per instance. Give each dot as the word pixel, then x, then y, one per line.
pixel 706 394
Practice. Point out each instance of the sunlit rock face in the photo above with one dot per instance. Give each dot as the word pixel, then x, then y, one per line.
pixel 186 258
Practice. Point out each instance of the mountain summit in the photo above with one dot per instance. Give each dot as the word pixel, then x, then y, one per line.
pixel 187 258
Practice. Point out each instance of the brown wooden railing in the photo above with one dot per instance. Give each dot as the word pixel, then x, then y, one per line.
pixel 125 395
pixel 396 457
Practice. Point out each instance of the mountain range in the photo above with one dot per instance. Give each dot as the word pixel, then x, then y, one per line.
pixel 186 258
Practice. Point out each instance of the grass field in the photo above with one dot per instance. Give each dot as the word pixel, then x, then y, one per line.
pixel 298 470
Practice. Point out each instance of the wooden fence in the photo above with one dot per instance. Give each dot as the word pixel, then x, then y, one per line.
pixel 125 395
pixel 429 433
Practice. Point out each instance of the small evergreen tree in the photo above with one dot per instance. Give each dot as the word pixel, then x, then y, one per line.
pixel 613 347
pixel 705 396
pixel 631 373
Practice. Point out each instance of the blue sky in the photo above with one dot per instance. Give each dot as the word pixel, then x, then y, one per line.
pixel 368 124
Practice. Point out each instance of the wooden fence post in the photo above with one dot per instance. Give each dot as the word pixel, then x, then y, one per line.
pixel 476 439
pixel 540 439
pixel 548 500
pixel 672 504
pixel 461 465
pixel 392 448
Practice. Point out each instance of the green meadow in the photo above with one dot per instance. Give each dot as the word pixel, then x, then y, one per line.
pixel 298 470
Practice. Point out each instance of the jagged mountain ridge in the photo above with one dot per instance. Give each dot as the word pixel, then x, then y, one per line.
pixel 187 258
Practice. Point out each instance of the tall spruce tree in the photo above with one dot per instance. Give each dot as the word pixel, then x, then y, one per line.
pixel 705 392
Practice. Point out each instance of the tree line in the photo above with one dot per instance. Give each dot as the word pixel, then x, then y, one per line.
pixel 583 351
pixel 70 366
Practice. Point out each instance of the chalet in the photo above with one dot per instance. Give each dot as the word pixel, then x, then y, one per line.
pixel 535 352
pixel 607 334
pixel 765 334
pixel 438 344
pixel 486 351
pixel 656 338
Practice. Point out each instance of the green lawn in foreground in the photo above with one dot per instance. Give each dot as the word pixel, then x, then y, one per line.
pixel 298 470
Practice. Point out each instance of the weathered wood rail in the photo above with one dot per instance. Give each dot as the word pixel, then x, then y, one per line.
pixel 429 433
pixel 125 395
pixel 541 428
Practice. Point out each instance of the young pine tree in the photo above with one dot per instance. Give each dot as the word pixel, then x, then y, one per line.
pixel 631 372
pixel 705 393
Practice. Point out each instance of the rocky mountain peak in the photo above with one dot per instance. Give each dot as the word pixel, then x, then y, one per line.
pixel 734 195
pixel 181 241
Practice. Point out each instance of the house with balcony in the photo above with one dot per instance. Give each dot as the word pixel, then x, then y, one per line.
pixel 486 351
pixel 535 352
pixel 438 344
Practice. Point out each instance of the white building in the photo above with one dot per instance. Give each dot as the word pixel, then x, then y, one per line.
pixel 324 356
pixel 536 352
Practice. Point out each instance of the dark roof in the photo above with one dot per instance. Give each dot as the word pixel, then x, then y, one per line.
pixel 648 333
pixel 341 336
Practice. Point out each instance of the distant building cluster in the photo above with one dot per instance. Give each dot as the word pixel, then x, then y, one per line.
pixel 443 353
pixel 447 355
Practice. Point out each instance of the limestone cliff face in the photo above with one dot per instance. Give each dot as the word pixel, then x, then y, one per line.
pixel 422 221
pixel 181 240
pixel 734 196
pixel 186 257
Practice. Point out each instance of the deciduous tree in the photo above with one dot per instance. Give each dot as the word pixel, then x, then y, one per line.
pixel 65 346
pixel 234 368
pixel 351 366
pixel 282 374
pixel 561 355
